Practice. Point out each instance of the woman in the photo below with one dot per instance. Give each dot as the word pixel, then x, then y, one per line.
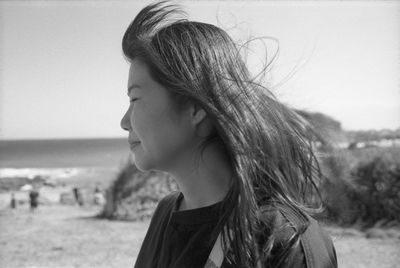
pixel 242 160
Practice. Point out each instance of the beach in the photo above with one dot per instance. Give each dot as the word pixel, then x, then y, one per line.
pixel 67 236
pixel 71 236
pixel 64 234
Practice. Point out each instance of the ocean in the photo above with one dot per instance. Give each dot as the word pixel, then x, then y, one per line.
pixel 63 153
pixel 80 162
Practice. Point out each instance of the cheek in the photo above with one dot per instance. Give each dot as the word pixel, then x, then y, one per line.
pixel 139 123
pixel 164 139
pixel 168 138
pixel 146 125
pixel 176 139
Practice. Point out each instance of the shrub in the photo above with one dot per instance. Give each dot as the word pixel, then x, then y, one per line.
pixel 379 188
pixel 361 186
pixel 134 195
pixel 338 191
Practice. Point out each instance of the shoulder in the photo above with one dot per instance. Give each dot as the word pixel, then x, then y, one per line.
pixel 316 244
pixel 314 247
pixel 163 211
pixel 155 233
pixel 167 203
pixel 170 198
pixel 287 250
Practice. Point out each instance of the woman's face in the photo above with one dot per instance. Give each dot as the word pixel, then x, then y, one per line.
pixel 163 134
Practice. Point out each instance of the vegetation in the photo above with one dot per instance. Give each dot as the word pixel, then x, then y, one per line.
pixel 370 135
pixel 362 186
pixel 379 191
pixel 327 130
pixel 359 185
pixel 134 195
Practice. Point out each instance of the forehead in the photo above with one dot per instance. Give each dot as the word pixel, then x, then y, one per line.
pixel 140 81
pixel 138 75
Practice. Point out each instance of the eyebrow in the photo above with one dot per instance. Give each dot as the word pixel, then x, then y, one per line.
pixel 133 86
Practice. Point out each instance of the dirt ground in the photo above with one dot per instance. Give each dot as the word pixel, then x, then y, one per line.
pixel 69 236
pixel 66 236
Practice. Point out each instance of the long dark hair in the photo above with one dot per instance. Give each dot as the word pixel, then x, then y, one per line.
pixel 266 142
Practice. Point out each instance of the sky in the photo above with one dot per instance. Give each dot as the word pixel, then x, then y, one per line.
pixel 63 74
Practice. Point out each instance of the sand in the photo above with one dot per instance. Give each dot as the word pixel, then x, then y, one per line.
pixel 69 236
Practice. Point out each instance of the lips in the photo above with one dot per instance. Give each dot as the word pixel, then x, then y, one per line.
pixel 134 143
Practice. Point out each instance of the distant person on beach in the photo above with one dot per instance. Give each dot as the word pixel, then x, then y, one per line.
pixel 243 161
pixel 34 198
pixel 13 203
pixel 78 196
pixel 98 196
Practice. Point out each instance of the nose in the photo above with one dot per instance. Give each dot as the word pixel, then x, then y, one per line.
pixel 125 123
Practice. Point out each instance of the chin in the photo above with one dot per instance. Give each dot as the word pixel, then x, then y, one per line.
pixel 143 166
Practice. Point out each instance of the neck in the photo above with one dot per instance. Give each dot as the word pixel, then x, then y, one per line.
pixel 208 183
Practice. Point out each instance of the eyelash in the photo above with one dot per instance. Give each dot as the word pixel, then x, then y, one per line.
pixel 132 100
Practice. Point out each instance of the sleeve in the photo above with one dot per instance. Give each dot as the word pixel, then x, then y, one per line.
pixel 148 254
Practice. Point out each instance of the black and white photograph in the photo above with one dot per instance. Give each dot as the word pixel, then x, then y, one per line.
pixel 199 134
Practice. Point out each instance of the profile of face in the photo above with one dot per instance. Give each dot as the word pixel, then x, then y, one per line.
pixel 159 135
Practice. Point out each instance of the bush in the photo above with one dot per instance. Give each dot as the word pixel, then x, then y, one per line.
pixel 361 186
pixel 338 191
pixel 134 195
pixel 379 188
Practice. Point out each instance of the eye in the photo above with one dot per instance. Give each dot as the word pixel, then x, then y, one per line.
pixel 133 100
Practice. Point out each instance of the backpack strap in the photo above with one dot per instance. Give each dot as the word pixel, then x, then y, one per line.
pixel 216 256
pixel 317 245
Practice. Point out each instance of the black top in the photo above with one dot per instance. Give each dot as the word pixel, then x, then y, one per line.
pixel 185 239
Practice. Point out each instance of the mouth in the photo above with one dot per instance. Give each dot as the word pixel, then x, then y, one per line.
pixel 134 144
